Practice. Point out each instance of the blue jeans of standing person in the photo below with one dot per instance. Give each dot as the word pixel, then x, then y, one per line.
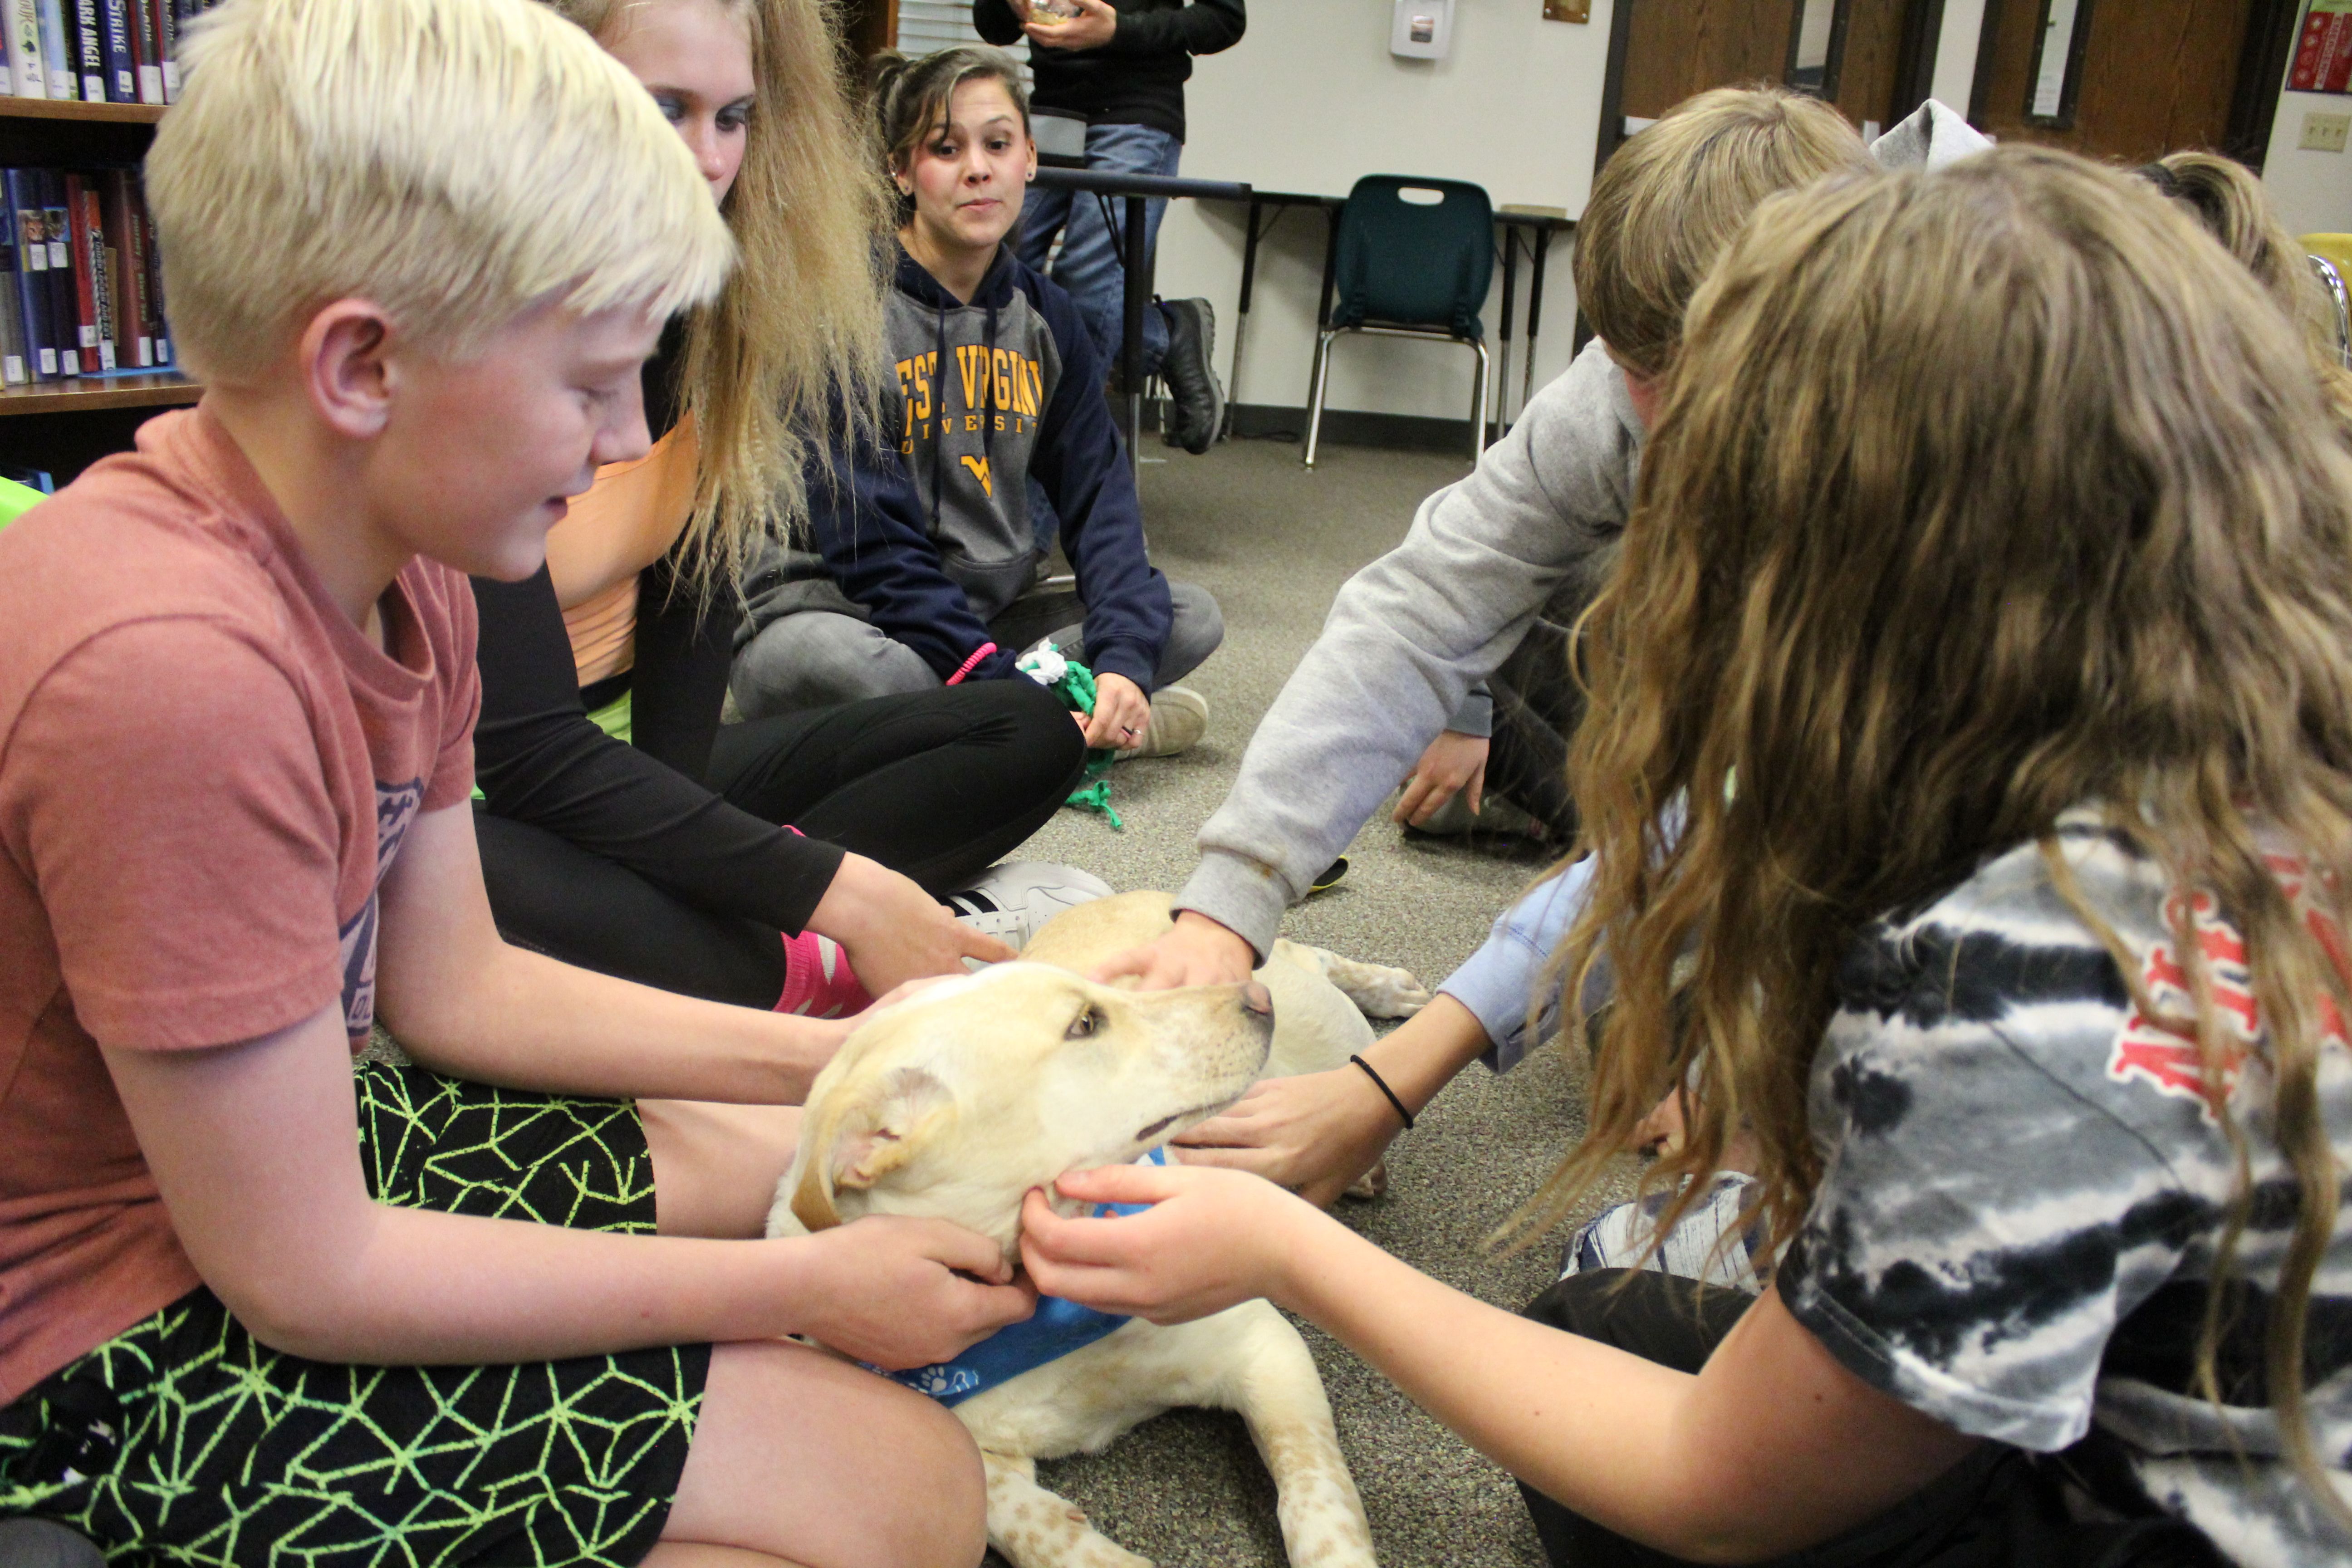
pixel 1089 267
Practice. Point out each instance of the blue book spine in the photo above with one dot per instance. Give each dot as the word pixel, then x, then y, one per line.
pixel 89 51
pixel 65 301
pixel 29 223
pixel 121 79
pixel 12 323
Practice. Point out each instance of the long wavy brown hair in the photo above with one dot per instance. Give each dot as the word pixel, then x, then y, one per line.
pixel 2229 201
pixel 1975 496
pixel 795 341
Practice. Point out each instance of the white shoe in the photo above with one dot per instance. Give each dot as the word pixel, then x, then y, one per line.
pixel 1180 716
pixel 1011 901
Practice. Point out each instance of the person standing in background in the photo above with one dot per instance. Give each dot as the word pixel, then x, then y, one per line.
pixel 1120 65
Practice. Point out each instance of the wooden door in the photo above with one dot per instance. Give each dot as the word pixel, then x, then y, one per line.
pixel 868 26
pixel 1870 58
pixel 1678 47
pixel 2149 77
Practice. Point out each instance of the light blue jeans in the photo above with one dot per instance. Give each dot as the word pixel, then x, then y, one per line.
pixel 1089 267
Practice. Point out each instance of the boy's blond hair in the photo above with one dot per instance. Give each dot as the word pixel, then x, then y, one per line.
pixel 1672 199
pixel 453 161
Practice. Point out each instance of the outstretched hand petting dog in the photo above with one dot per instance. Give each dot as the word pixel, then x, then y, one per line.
pixel 1317 1132
pixel 1197 951
pixel 1210 1240
pixel 900 1291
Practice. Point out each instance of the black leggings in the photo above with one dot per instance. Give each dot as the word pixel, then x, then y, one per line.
pixel 939 786
pixel 1996 1508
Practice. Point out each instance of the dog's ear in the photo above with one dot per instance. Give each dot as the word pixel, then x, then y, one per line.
pixel 862 1133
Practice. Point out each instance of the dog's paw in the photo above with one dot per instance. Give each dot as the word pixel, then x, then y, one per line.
pixel 1378 990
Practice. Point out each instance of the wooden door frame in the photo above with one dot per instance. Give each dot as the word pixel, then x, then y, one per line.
pixel 2254 101
pixel 1915 65
pixel 868 26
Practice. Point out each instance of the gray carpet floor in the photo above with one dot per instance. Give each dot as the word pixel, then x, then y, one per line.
pixel 1273 541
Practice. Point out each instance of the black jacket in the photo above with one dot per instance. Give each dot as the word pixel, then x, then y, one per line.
pixel 1137 79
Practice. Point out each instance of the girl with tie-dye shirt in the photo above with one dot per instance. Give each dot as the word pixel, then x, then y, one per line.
pixel 1988 604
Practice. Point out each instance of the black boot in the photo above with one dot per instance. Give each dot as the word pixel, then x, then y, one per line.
pixel 1200 401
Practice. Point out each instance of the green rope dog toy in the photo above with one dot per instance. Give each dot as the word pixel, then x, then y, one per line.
pixel 1074 683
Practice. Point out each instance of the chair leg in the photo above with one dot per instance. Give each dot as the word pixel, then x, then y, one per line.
pixel 1315 403
pixel 1478 403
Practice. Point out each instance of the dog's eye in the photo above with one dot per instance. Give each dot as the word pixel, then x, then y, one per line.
pixel 1085 1024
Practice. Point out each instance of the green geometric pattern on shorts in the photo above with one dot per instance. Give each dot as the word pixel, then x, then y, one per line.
pixel 227 1453
pixel 434 1142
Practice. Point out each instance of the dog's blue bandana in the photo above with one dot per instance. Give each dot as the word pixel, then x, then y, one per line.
pixel 1052 1331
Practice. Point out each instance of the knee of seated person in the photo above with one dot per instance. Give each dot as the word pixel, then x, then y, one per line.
pixel 817 658
pixel 1199 624
pixel 931 1510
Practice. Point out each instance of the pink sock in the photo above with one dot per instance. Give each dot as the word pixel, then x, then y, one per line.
pixel 818 981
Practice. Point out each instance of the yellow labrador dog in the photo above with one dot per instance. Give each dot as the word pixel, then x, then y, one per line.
pixel 957 1102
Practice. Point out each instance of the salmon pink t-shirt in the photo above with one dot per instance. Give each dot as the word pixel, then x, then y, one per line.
pixel 206 770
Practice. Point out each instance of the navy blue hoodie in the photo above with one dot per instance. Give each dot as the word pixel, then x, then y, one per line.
pixel 934 544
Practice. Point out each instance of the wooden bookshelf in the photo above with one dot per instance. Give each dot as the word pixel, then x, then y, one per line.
pixel 89 113
pixel 65 425
pixel 92 395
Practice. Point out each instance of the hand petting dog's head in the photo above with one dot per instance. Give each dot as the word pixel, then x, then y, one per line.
pixel 956 1102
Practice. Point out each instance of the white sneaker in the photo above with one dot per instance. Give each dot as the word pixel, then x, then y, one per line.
pixel 1011 901
pixel 1180 716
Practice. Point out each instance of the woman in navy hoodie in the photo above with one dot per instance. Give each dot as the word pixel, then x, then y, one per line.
pixel 925 567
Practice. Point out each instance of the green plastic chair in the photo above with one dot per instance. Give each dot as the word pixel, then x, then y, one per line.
pixel 1408 268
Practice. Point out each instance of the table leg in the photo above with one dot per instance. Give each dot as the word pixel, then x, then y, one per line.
pixel 1510 284
pixel 1130 354
pixel 1240 313
pixel 1330 280
pixel 1539 243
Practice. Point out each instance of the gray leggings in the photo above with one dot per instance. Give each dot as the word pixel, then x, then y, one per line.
pixel 816 659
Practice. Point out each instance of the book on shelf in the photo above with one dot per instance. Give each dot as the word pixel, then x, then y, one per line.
pixel 90 52
pixel 96 51
pixel 29 222
pixel 80 286
pixel 58 68
pixel 28 75
pixel 12 369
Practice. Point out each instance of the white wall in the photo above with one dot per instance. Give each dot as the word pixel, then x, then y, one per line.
pixel 1309 100
pixel 2313 191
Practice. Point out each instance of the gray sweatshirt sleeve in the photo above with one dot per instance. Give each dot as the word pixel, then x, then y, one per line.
pixel 1408 638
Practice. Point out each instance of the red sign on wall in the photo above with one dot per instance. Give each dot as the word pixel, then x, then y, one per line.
pixel 2323 50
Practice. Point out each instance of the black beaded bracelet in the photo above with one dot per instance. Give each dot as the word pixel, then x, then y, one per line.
pixel 1382 1085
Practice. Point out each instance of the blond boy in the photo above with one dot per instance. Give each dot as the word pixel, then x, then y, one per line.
pixel 249 1300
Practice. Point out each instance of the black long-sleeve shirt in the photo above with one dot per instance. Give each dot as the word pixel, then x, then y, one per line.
pixel 539 758
pixel 1137 79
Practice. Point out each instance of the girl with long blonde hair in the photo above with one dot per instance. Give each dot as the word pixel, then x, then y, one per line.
pixel 1972 718
pixel 623 826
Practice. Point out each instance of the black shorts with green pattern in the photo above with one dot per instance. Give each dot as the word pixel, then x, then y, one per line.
pixel 185 1440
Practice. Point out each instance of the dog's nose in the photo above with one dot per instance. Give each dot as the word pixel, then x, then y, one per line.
pixel 1256 998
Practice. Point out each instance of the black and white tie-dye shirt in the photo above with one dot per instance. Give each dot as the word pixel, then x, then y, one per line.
pixel 2024 1188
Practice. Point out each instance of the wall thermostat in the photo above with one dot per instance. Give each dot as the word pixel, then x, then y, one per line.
pixel 1423 30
